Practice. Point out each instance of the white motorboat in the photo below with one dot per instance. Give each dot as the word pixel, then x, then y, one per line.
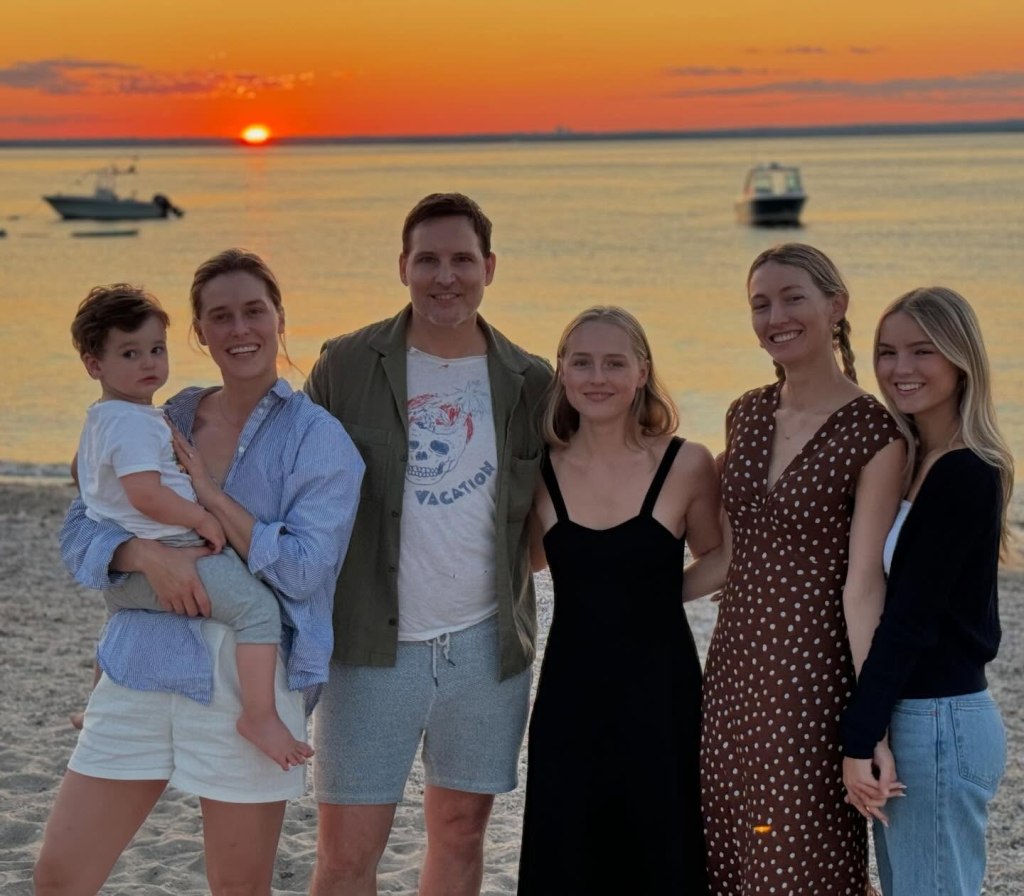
pixel 772 194
pixel 104 204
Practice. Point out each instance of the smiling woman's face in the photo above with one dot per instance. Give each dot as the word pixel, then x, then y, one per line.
pixel 240 325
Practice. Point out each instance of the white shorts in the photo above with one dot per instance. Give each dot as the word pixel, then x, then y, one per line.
pixel 131 735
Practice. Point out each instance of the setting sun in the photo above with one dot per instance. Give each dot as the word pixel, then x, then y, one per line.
pixel 256 134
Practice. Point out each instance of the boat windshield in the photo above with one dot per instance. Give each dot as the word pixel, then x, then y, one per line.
pixel 106 180
pixel 774 180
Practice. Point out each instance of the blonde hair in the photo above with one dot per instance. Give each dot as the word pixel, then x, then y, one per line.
pixel 952 326
pixel 654 412
pixel 825 275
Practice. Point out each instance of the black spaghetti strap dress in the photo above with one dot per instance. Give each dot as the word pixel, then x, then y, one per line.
pixel 612 788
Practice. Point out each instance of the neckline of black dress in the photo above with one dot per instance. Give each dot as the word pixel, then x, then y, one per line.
pixel 646 509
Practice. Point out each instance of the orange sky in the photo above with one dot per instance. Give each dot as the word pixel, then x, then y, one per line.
pixel 184 68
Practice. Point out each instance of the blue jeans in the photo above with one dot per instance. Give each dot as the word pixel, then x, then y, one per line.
pixel 950 752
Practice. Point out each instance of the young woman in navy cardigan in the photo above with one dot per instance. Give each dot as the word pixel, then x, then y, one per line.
pixel 921 711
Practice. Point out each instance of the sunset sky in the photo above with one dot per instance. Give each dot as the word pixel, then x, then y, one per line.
pixel 184 68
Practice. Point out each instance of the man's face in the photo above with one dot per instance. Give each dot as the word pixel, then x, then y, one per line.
pixel 446 272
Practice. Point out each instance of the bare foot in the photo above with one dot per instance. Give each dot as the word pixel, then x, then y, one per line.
pixel 77 720
pixel 271 736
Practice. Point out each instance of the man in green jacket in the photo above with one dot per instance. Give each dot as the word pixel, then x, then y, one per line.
pixel 434 614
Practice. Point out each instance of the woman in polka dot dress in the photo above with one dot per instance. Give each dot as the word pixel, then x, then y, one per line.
pixel 811 482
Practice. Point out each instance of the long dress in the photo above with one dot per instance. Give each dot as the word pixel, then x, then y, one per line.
pixel 779 671
pixel 612 791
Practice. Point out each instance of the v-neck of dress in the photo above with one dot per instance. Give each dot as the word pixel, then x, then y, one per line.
pixel 769 488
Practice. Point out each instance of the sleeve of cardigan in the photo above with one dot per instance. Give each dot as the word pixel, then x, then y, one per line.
pixel 950 512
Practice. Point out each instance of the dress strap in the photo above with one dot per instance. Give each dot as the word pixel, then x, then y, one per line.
pixel 548 472
pixel 659 477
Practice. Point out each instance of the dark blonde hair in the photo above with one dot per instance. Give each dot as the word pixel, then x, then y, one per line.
pixel 825 275
pixel 119 306
pixel 654 412
pixel 228 262
pixel 948 320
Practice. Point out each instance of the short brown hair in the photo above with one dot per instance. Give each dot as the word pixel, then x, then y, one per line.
pixel 119 306
pixel 447 205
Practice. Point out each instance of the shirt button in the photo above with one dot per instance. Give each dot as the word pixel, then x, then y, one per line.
pixel 403 458
pixel 394 513
pixel 392 621
pixel 241 450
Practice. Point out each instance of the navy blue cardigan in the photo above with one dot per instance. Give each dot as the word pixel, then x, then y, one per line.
pixel 940 625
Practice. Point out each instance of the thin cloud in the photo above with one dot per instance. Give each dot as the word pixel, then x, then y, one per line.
pixel 45 120
pixel 808 50
pixel 89 77
pixel 710 71
pixel 1000 86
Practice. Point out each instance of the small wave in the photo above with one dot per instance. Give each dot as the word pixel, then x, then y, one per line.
pixel 42 473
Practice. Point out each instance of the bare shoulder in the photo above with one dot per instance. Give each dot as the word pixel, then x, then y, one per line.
pixel 696 458
pixel 693 466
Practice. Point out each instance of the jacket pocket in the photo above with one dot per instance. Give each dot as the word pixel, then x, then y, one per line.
pixel 375 448
pixel 522 482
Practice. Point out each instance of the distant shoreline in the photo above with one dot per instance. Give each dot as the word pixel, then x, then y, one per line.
pixel 558 135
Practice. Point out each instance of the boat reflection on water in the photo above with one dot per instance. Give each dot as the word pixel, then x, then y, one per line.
pixel 773 195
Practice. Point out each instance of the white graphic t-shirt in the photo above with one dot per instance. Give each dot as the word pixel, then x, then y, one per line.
pixel 446 579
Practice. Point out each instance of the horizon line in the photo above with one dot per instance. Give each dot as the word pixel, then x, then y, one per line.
pixel 558 134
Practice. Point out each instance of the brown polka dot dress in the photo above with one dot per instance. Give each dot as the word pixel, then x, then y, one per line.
pixel 779 670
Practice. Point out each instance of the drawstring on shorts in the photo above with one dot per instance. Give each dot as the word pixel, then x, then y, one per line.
pixel 443 641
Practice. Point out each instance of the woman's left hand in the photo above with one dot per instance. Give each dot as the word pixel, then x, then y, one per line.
pixel 191 461
pixel 864 791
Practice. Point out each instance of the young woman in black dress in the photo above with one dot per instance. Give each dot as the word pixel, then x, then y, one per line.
pixel 612 794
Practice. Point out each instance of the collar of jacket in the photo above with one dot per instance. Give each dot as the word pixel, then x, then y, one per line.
pixel 506 365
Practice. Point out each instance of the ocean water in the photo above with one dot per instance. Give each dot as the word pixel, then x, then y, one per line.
pixel 644 224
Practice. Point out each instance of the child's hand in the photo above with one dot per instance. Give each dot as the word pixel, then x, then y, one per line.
pixel 212 532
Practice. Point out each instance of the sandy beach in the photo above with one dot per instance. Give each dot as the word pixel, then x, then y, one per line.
pixel 47 639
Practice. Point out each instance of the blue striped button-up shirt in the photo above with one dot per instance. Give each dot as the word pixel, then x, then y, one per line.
pixel 298 473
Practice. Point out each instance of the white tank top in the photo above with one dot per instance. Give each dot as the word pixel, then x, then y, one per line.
pixel 894 535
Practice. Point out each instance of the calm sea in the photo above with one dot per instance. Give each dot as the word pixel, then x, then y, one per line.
pixel 644 224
